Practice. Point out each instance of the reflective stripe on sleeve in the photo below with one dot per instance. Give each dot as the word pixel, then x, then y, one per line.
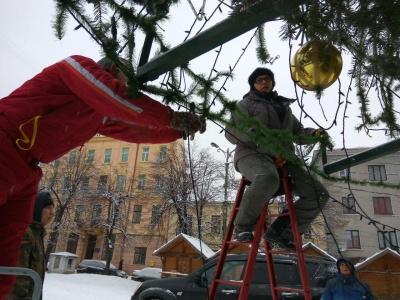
pixel 105 89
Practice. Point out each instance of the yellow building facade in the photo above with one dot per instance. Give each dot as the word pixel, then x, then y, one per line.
pixel 123 167
pixel 128 170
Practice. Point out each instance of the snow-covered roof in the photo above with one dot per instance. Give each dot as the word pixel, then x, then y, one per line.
pixel 64 254
pixel 312 245
pixel 376 256
pixel 197 244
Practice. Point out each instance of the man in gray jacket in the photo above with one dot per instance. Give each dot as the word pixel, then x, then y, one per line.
pixel 257 164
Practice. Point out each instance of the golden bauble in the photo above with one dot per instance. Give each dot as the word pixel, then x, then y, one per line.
pixel 316 65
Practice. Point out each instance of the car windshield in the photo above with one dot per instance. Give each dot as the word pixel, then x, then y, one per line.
pixel 99 264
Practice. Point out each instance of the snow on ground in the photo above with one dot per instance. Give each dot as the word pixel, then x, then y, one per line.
pixel 87 287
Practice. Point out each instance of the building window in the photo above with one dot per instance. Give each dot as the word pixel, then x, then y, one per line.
pixel 388 239
pixel 382 205
pixel 85 183
pixel 120 182
pixel 107 156
pixel 377 173
pixel 349 205
pixel 145 153
pixel 90 157
pixel 344 174
pixel 353 239
pixel 102 181
pixel 137 214
pixel 66 184
pixel 71 158
pixel 96 213
pixel 124 154
pixel 307 234
pixel 79 213
pixel 139 257
pixel 215 224
pixel 160 181
pixel 141 182
pixel 72 243
pixel 163 154
pixel 156 214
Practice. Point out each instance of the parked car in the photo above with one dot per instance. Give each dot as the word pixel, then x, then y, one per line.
pixel 146 274
pixel 98 267
pixel 195 286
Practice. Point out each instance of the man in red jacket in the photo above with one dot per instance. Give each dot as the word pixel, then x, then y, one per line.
pixel 56 111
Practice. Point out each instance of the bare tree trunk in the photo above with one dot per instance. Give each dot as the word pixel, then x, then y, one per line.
pixel 52 243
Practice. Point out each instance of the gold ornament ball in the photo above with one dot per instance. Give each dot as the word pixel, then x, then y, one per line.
pixel 316 65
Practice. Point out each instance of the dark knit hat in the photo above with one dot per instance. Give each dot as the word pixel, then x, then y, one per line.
pixel 259 72
pixel 43 199
pixel 349 263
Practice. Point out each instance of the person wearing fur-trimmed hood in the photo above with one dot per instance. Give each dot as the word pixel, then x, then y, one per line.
pixel 346 286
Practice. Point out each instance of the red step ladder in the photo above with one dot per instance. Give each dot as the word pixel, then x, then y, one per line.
pixel 261 227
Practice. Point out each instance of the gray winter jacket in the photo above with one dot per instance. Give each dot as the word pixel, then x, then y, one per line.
pixel 271 110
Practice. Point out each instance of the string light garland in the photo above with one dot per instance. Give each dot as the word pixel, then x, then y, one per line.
pixel 313 68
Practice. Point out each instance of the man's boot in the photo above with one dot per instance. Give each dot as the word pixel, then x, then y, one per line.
pixel 273 234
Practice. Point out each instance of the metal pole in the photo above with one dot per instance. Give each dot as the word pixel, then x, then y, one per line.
pixel 225 204
pixel 235 25
pixel 359 158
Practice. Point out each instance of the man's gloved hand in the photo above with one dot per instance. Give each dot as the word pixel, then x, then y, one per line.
pixel 319 131
pixel 187 123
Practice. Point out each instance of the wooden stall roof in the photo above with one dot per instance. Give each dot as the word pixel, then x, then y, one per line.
pixel 390 257
pixel 312 251
pixel 197 245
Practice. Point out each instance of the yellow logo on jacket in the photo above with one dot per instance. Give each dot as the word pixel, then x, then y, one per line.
pixel 26 143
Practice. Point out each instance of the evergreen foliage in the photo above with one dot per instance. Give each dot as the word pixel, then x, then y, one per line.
pixel 368 30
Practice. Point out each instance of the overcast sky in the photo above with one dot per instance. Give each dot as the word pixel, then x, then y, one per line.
pixel 27 45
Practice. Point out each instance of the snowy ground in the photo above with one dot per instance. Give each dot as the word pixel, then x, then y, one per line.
pixel 87 287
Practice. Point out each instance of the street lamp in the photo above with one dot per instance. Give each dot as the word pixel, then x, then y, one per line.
pixel 227 154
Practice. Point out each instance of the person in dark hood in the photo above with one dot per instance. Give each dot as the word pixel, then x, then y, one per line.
pixel 346 285
pixel 32 254
pixel 257 164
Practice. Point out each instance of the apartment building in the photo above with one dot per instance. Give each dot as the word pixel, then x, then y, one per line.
pixel 363 217
pixel 111 170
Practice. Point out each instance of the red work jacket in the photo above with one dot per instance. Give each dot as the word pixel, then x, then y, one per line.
pixel 66 104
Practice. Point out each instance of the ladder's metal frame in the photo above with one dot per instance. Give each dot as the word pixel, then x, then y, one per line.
pixel 297 241
pixel 261 227
pixel 37 281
